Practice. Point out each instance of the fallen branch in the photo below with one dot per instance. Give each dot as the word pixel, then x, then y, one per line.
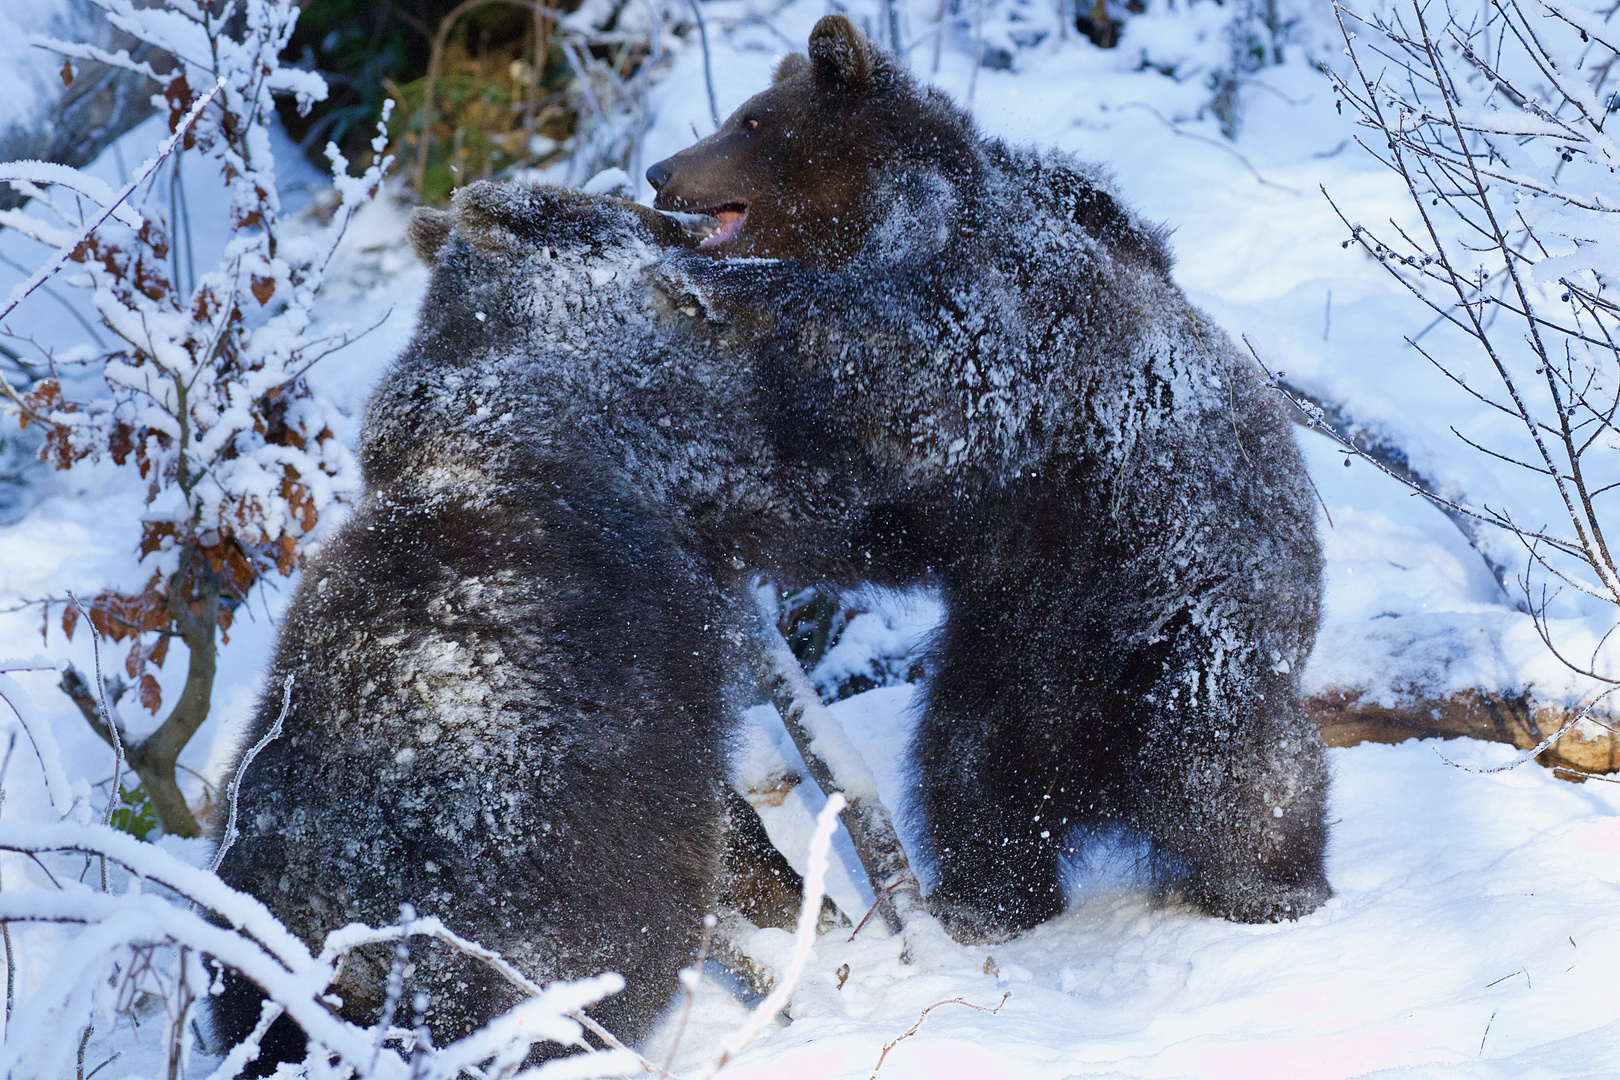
pixel 836 766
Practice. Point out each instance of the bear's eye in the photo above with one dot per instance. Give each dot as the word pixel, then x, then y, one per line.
pixel 750 124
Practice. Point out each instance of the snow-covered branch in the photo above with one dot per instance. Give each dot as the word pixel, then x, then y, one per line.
pixel 1497 128
pixel 205 390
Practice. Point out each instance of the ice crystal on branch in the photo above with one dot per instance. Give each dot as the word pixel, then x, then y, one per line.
pixel 206 397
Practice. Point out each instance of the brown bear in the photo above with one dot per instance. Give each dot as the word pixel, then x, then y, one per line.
pixel 1104 491
pixel 512 666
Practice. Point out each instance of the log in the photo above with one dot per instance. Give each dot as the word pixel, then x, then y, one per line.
pixel 835 764
pixel 1347 718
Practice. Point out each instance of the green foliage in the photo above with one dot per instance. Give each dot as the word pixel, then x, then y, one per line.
pixel 359 46
pixel 370 52
pixel 482 106
pixel 134 814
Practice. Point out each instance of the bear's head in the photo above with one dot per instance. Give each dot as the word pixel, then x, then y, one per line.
pixel 802 171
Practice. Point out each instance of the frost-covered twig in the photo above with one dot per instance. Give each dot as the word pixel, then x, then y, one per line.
pixel 114 208
pixel 909 1032
pixel 243 935
pixel 1503 149
pixel 804 939
pixel 708 72
pixel 1536 751
pixel 38 731
pixel 229 837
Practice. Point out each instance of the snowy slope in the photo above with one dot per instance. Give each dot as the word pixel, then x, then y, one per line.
pixel 1472 932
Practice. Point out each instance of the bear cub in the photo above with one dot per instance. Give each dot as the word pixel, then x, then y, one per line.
pixel 1104 490
pixel 512 666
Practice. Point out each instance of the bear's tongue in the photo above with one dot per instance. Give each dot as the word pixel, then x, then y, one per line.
pixel 731 223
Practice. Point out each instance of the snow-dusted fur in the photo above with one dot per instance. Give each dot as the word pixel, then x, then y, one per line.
pixel 511 667
pixel 1108 496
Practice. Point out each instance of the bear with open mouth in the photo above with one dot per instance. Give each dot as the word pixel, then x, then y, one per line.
pixel 906 355
pixel 1103 488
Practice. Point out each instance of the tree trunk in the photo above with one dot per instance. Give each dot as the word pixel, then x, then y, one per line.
pixel 155 757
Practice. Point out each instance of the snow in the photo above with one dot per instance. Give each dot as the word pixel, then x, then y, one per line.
pixel 26 72
pixel 1472 931
pixel 1462 901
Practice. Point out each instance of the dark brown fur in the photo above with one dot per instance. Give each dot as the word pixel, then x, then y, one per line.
pixel 812 158
pixel 1107 495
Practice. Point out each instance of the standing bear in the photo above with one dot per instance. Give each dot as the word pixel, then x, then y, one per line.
pixel 1106 493
pixel 512 667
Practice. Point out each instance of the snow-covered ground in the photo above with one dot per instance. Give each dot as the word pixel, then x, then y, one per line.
pixel 1473 931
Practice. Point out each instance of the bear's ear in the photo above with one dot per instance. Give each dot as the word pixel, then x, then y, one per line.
pixel 840 52
pixel 791 65
pixel 487 215
pixel 428 230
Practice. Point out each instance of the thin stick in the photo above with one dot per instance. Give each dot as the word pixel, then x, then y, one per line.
pixel 394 989
pixel 117 737
pixel 11 972
pixel 50 269
pixel 1531 754
pixel 708 71
pixel 884 895
pixel 689 984
pixel 913 1029
pixel 229 836
pixel 5 927
pixel 804 939
pixel 1217 143
pixel 107 721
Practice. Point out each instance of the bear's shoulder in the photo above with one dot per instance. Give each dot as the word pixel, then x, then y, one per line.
pixel 1052 184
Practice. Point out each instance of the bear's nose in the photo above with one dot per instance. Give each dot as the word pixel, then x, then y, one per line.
pixel 658 176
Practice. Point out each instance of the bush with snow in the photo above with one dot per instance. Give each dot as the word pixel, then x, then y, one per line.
pixel 1494 120
pixel 203 392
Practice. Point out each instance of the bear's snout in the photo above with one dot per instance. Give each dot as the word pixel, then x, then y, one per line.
pixel 658 175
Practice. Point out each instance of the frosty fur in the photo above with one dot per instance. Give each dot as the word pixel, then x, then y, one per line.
pixel 511 666
pixel 1108 497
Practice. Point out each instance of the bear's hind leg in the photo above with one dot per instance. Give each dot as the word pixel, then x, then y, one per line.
pixel 1234 783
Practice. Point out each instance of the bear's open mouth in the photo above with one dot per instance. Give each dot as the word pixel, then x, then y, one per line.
pixel 731 216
